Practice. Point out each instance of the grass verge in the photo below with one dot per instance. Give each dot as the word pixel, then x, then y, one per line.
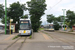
pixel 41 28
pixel 30 36
pixel 66 32
pixel 15 37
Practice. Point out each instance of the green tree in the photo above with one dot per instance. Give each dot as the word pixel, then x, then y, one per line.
pixel 3 20
pixel 50 18
pixel 56 25
pixel 15 12
pixel 67 23
pixel 8 19
pixel 36 10
pixel 1 11
pixel 25 16
pixel 60 18
pixel 70 17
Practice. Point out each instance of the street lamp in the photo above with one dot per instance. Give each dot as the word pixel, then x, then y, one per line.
pixel 64 17
pixel 10 25
pixel 5 15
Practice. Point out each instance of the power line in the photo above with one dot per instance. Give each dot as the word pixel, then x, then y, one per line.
pixel 56 4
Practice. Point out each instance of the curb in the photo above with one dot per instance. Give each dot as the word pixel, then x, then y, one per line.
pixel 65 32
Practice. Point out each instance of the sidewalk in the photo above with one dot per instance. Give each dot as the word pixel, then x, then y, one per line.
pixel 6 40
pixel 7 37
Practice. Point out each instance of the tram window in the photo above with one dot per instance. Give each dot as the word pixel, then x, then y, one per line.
pixel 51 26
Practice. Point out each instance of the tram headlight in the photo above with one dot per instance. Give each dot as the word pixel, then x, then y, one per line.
pixel 20 31
pixel 28 31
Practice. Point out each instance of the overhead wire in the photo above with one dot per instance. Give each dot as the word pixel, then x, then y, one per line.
pixel 56 4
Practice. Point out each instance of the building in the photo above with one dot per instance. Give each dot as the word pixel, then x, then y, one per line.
pixel 2 28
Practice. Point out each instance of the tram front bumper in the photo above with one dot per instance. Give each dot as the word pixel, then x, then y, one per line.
pixel 24 32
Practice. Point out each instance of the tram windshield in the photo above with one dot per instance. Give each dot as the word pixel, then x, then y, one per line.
pixel 24 25
pixel 51 27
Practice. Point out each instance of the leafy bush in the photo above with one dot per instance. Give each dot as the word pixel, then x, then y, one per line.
pixel 15 37
pixel 56 26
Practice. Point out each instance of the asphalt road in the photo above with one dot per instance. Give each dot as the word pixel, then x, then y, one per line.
pixel 42 41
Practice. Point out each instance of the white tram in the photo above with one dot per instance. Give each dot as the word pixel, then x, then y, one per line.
pixel 25 27
pixel 49 27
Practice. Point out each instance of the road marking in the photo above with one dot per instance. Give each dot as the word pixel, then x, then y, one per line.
pixel 45 36
pixel 9 37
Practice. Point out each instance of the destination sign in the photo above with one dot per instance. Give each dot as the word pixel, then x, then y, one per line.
pixel 24 22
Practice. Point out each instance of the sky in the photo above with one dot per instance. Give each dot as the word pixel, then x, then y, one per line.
pixel 53 7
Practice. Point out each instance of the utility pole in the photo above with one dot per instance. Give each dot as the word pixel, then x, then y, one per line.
pixel 64 17
pixel 5 15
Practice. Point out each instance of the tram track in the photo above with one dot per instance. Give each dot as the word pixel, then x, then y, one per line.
pixel 16 42
pixel 67 41
pixel 22 43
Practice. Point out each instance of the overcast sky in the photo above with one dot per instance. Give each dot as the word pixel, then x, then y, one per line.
pixel 53 7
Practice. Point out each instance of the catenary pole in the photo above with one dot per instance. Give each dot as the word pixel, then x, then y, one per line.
pixel 5 15
pixel 64 17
